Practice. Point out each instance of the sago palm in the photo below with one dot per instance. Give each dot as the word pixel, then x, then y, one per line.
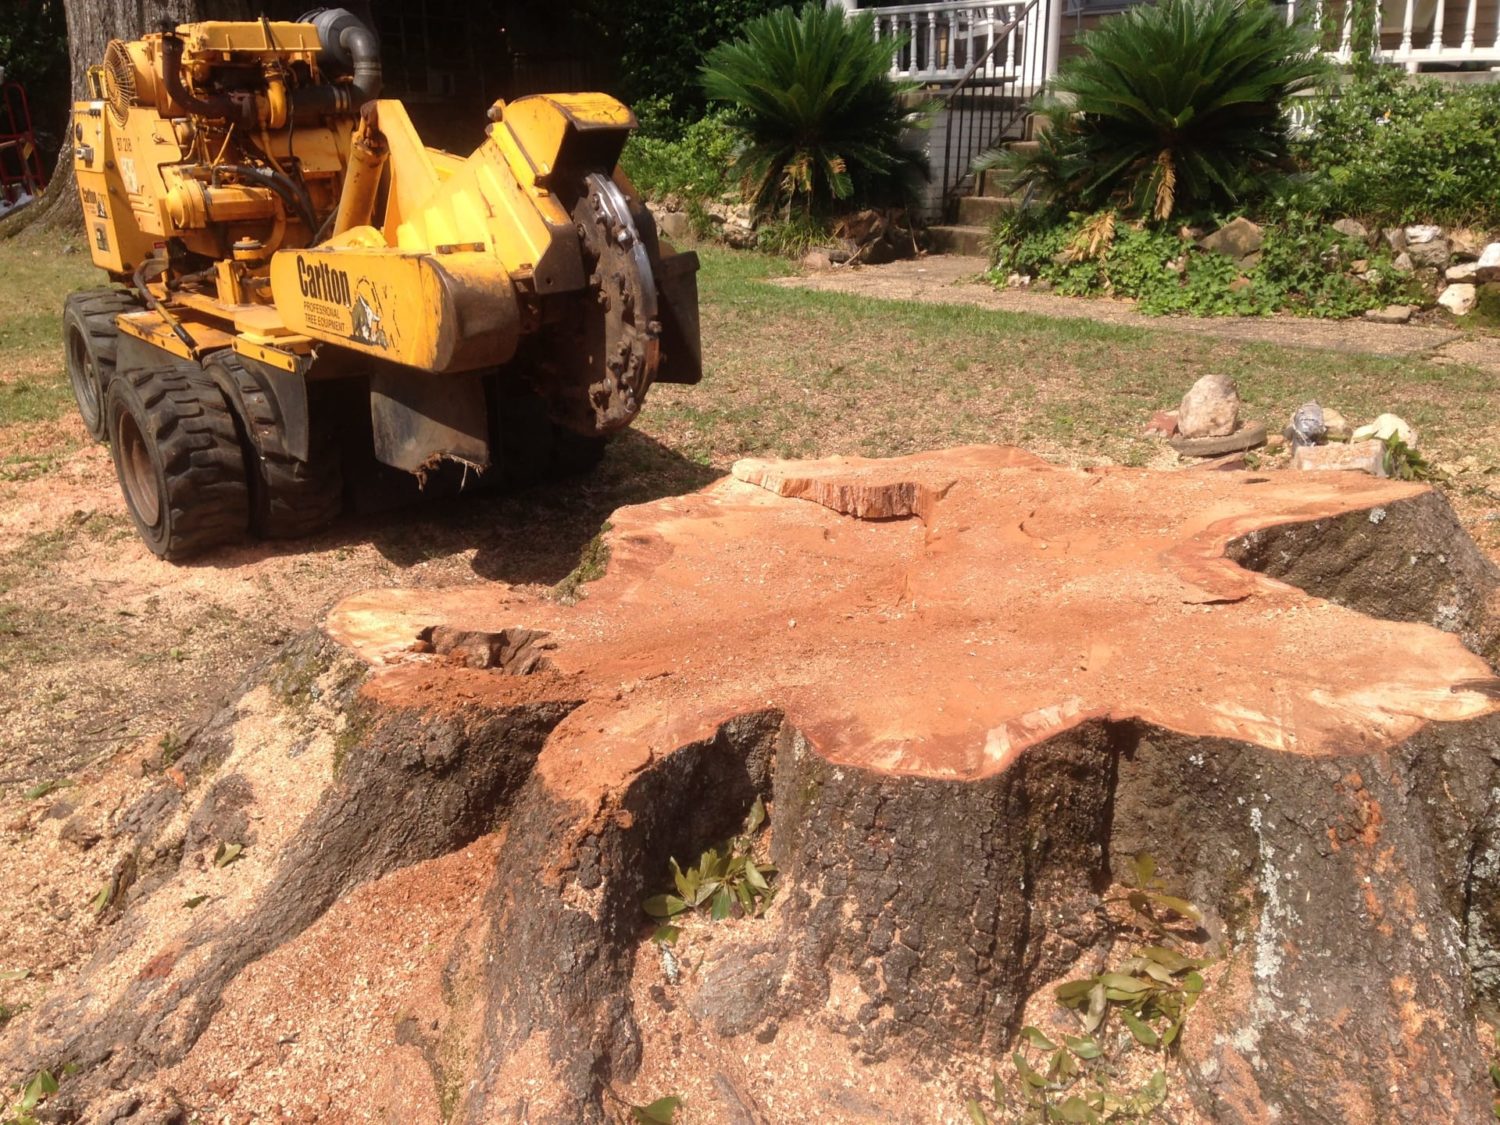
pixel 1171 107
pixel 823 118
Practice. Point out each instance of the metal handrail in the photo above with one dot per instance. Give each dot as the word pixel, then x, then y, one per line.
pixel 1035 41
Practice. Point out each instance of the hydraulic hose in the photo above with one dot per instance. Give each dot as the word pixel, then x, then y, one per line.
pixel 216 107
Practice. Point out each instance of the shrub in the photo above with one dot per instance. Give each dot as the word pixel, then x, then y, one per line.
pixel 1302 269
pixel 1397 150
pixel 1171 108
pixel 692 163
pixel 824 120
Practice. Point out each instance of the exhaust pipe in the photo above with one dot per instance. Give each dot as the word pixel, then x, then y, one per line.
pixel 349 45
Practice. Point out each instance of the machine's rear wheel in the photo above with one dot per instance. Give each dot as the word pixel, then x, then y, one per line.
pixel 178 460
pixel 289 498
pixel 89 339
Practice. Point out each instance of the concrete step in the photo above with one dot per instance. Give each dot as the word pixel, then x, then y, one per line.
pixel 970 240
pixel 982 210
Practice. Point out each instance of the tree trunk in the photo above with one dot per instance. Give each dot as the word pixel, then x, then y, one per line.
pixel 970 688
pixel 91 25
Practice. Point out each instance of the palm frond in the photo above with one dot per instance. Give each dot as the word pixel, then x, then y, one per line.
pixel 1172 106
pixel 826 121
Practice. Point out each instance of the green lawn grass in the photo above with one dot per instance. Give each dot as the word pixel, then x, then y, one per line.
pixel 789 372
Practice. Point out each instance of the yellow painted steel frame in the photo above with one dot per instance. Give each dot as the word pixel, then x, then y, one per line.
pixel 437 285
pixel 438 282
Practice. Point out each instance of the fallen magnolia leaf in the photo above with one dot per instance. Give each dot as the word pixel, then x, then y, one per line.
pixel 227 854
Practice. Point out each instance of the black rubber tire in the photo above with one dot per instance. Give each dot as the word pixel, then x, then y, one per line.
pixel 288 498
pixel 178 459
pixel 89 340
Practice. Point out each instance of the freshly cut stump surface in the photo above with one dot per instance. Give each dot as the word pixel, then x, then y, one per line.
pixel 970 685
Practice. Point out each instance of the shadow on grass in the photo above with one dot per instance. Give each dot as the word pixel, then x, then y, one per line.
pixel 517 535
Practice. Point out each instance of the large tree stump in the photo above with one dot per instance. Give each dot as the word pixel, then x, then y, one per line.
pixel 970 686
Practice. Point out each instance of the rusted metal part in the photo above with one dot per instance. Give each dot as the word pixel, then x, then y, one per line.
pixel 619 347
pixel 419 420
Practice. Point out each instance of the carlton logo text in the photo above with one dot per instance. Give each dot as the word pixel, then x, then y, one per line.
pixel 321 282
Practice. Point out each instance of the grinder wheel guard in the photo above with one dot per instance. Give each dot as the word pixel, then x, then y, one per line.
pixel 616 346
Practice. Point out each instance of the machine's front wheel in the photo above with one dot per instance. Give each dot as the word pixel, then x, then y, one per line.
pixel 178 459
pixel 89 339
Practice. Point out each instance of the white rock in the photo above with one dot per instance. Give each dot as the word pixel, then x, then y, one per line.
pixel 1422 232
pixel 1403 262
pixel 1385 427
pixel 1210 409
pixel 1459 298
pixel 1488 266
pixel 1464 271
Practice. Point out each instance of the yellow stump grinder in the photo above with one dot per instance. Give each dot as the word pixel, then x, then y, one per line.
pixel 301 285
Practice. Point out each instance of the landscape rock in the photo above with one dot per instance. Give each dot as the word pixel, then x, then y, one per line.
pixel 1395 238
pixel 1307 426
pixel 1238 239
pixel 1459 298
pixel 1361 456
pixel 1487 268
pixel 674 226
pixel 1163 424
pixel 1336 425
pixel 1403 262
pixel 1464 271
pixel 1352 228
pixel 1391 314
pixel 1432 254
pixel 735 223
pixel 1420 233
pixel 1385 427
pixel 1466 243
pixel 1211 408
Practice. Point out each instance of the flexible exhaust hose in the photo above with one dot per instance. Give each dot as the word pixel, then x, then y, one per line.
pixel 348 44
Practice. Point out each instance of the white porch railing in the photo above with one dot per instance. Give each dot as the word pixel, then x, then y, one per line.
pixel 943 39
pixel 937 44
pixel 1413 33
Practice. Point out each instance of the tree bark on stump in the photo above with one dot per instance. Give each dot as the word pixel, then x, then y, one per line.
pixel 970 687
